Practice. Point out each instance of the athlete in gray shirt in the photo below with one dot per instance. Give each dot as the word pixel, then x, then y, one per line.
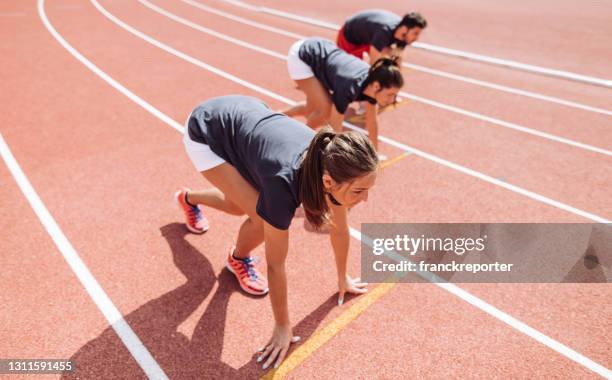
pixel 379 32
pixel 264 164
pixel 332 79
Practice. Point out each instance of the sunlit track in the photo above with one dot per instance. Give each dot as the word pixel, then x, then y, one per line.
pixel 444 74
pixel 464 295
pixel 416 98
pixel 443 50
pixel 420 153
pixel 113 316
pixel 433 103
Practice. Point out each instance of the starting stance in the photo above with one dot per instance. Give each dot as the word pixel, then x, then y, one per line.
pixel 379 32
pixel 263 165
pixel 332 79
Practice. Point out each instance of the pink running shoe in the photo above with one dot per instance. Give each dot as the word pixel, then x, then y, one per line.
pixel 194 218
pixel 249 278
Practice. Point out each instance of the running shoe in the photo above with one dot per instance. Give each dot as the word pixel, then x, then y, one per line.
pixel 247 274
pixel 194 218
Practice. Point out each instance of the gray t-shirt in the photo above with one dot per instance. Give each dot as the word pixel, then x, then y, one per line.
pixel 339 72
pixel 264 146
pixel 373 27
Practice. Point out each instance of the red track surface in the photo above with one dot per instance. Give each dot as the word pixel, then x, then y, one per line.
pixel 106 169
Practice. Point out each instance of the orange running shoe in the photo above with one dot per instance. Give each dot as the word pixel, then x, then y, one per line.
pixel 248 276
pixel 194 218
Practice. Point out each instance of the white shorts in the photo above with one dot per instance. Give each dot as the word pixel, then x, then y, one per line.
pixel 201 155
pixel 297 68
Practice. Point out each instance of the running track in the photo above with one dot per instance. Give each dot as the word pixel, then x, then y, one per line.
pixel 105 168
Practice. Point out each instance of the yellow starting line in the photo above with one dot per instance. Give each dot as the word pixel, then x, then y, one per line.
pixel 323 335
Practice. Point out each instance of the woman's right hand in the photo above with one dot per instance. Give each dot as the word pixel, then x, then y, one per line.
pixel 277 346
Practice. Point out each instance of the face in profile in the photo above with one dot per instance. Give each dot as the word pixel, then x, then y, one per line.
pixel 350 194
pixel 408 35
pixel 386 96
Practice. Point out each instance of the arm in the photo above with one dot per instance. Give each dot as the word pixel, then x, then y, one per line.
pixel 277 245
pixel 387 52
pixel 340 236
pixel 397 52
pixel 335 119
pixel 371 122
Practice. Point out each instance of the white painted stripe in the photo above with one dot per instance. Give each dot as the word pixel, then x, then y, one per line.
pixel 242 20
pixel 452 289
pixel 516 65
pixel 510 90
pixel 444 74
pixel 439 49
pixel 96 70
pixel 191 59
pixel 103 302
pixel 293 16
pixel 93 288
pixel 487 178
pixel 431 157
pixel 506 124
pixel 419 99
pixel 211 32
pixel 498 314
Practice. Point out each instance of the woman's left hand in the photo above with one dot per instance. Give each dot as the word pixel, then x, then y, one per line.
pixel 350 285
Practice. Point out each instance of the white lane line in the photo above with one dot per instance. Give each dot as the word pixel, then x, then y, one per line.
pixel 510 90
pixel 243 20
pixel 473 300
pixel 131 341
pixel 261 90
pixel 517 65
pixel 91 285
pixel 497 313
pixel 444 74
pixel 416 98
pixel 439 49
pixel 428 156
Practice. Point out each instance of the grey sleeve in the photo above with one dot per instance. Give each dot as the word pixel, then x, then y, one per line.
pixel 341 100
pixel 276 204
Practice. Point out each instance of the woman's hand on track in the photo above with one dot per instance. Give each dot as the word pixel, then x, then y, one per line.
pixel 277 346
pixel 350 285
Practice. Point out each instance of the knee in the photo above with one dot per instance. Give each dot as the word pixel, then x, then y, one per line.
pixel 257 221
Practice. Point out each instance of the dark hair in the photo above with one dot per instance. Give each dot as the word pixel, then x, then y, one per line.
pixel 345 156
pixel 413 19
pixel 386 71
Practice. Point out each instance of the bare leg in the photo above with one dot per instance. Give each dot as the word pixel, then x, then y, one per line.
pixel 250 237
pixel 318 100
pixel 242 194
pixel 299 109
pixel 214 198
pixel 317 107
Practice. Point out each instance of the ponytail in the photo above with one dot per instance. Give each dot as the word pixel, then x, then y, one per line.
pixel 345 156
pixel 386 72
